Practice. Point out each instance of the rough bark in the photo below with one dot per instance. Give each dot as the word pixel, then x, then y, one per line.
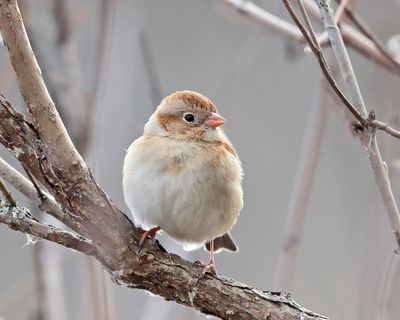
pixel 152 269
pixel 20 219
pixel 46 151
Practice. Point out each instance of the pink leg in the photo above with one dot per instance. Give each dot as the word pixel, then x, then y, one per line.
pixel 151 233
pixel 211 264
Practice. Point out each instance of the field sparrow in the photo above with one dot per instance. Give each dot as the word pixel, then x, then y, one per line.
pixel 183 176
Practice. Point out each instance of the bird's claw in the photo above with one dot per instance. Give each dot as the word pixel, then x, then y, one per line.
pixel 150 233
pixel 209 267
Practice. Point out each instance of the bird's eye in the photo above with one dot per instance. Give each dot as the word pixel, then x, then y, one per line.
pixel 189 117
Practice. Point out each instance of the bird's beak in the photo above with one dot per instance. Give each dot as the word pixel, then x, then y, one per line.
pixel 215 120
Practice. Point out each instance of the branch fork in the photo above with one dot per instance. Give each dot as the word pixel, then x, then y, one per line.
pixel 47 153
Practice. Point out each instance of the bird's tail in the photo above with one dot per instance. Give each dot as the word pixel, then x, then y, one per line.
pixel 223 243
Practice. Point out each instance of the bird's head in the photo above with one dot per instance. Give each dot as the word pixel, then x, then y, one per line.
pixel 186 114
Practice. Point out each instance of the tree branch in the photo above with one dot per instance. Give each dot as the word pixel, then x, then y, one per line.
pixel 316 49
pixel 45 202
pixel 155 270
pixel 365 122
pixel 31 84
pixel 7 194
pixel 352 37
pixel 20 219
pixel 47 152
pixel 367 138
pixel 363 27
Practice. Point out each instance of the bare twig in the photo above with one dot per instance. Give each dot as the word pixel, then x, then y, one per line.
pixel 45 203
pixel 363 27
pixel 39 192
pixel 340 9
pixel 269 20
pixel 344 64
pixel 316 49
pixel 7 194
pixel 367 138
pixel 20 219
pixel 358 41
pixel 311 32
pixel 32 86
pixel 154 268
pixel 54 162
pixel 322 62
pixel 352 37
pixel 302 187
pixel 384 127
pixel 323 38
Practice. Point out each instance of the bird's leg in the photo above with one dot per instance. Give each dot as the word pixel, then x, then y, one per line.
pixel 210 266
pixel 150 233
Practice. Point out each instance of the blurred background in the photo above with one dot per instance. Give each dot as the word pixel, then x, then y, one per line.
pixel 108 63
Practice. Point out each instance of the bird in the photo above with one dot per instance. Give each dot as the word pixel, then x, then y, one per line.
pixel 184 177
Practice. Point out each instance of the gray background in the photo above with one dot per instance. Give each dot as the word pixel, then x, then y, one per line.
pixel 263 85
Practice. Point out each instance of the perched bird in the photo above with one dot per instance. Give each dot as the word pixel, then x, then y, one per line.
pixel 184 177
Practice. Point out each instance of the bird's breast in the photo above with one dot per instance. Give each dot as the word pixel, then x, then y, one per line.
pixel 193 191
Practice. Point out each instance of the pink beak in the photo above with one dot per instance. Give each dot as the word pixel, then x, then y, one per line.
pixel 215 120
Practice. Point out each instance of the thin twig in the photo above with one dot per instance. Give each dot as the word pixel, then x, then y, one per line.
pixel 40 193
pixel 316 49
pixel 363 27
pixel 357 41
pixel 322 61
pixel 45 203
pixel 368 137
pixel 308 23
pixel 114 236
pixel 384 127
pixel 353 38
pixel 266 18
pixel 340 9
pixel 20 219
pixel 7 194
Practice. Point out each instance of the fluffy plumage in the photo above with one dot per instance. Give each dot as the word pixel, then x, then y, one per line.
pixel 183 174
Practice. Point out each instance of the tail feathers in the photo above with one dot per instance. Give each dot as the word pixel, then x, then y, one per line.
pixel 223 243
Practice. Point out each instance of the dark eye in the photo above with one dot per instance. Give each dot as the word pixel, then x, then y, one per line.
pixel 189 117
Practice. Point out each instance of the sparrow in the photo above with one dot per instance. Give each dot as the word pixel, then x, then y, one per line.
pixel 183 176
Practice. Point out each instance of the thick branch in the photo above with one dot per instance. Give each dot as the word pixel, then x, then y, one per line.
pixel 32 86
pixel 20 219
pixel 157 271
pixel 55 163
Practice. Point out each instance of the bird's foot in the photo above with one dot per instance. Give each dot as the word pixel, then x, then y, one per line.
pixel 209 267
pixel 150 233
